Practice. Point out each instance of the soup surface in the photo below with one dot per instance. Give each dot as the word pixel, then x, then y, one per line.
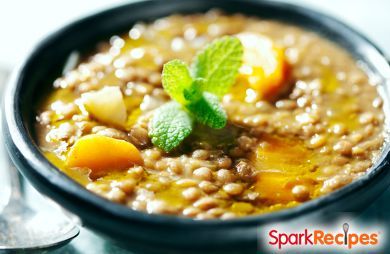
pixel 303 119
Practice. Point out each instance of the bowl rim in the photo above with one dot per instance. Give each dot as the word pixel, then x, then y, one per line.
pixel 18 139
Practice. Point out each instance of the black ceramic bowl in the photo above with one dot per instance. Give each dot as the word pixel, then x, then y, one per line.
pixel 159 232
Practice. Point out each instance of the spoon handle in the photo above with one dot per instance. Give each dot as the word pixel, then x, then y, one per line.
pixel 14 178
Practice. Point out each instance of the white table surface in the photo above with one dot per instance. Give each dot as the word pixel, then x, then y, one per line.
pixel 24 22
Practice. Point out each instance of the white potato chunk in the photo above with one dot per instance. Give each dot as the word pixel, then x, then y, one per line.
pixel 106 105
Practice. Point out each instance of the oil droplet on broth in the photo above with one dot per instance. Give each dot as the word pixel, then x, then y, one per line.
pixel 282 163
pixel 329 81
pixel 341 107
pixel 342 111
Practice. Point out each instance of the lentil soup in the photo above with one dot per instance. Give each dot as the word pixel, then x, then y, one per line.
pixel 303 119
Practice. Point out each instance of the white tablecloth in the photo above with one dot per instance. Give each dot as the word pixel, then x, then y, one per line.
pixel 24 22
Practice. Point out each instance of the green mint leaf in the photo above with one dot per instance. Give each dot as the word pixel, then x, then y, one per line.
pixel 218 65
pixel 208 111
pixel 176 79
pixel 194 93
pixel 169 126
pixel 213 73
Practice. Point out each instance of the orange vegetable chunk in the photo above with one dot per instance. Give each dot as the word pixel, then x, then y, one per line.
pixel 102 154
pixel 264 68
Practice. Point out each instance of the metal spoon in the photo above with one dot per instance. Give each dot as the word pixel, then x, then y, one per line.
pixel 21 227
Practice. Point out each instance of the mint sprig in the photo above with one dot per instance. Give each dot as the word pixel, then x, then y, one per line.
pixel 176 80
pixel 208 111
pixel 218 65
pixel 197 92
pixel 169 126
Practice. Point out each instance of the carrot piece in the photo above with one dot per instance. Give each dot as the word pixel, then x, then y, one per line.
pixel 102 154
pixel 264 68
